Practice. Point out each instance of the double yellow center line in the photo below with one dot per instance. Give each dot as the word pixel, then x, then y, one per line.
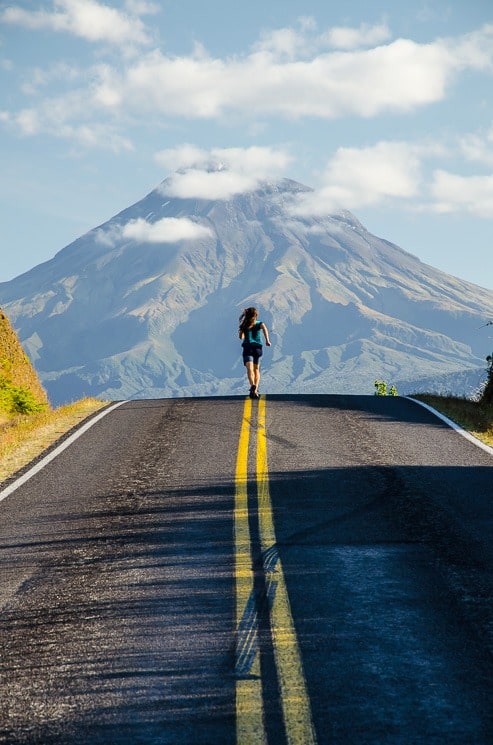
pixel 295 704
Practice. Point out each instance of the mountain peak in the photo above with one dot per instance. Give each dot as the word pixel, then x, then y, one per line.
pixel 217 181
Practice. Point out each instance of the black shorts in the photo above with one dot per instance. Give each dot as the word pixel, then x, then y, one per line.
pixel 252 353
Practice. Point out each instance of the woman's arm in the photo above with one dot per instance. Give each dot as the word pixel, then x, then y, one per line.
pixel 266 333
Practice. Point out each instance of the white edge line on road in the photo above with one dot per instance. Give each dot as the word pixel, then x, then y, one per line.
pixel 53 454
pixel 454 425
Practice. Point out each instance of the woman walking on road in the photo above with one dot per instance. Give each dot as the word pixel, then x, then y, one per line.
pixel 249 331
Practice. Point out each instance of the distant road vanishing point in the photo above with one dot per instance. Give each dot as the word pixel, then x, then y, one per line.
pixel 298 569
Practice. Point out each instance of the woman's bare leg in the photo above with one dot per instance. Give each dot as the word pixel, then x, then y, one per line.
pixel 256 376
pixel 250 372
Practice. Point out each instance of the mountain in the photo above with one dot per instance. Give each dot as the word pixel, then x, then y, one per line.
pixel 146 305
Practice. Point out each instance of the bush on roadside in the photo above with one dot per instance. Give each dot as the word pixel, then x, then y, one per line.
pixel 17 400
pixel 381 389
pixel 487 394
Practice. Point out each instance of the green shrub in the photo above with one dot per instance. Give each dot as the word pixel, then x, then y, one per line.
pixel 381 389
pixel 17 400
pixel 487 395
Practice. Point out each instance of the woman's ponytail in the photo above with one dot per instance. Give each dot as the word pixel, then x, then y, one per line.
pixel 247 319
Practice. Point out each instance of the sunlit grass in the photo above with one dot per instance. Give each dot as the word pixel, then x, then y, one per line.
pixel 474 416
pixel 24 437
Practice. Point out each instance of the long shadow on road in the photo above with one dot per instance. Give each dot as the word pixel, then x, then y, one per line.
pixel 122 630
pixel 390 576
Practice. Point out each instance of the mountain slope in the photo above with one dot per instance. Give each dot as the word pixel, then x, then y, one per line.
pixel 125 312
pixel 16 373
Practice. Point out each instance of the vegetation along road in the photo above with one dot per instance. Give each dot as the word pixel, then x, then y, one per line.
pixel 299 569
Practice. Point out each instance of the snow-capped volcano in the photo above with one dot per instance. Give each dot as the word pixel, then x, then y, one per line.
pixel 147 304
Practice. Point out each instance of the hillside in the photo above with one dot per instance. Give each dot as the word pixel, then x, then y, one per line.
pixel 19 381
pixel 146 305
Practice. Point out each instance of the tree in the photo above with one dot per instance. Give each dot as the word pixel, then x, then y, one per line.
pixel 487 395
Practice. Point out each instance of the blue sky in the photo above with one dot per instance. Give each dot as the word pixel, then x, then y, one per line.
pixel 384 108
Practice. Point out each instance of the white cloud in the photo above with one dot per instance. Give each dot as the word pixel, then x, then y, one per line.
pixel 473 50
pixel 284 42
pixel 221 172
pixel 344 37
pixel 142 7
pixel 400 76
pixel 257 161
pixel 96 136
pixel 59 72
pixel 305 40
pixel 182 156
pixel 30 122
pixel 166 230
pixel 357 177
pixel 196 184
pixel 87 19
pixel 108 236
pixel 478 147
pixel 455 193
pixel 400 173
pixel 69 117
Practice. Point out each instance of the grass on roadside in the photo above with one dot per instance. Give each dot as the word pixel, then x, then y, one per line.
pixel 473 416
pixel 24 437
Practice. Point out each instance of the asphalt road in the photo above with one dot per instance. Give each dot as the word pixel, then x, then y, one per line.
pixel 303 569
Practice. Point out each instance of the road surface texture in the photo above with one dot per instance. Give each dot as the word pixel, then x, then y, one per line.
pixel 299 569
